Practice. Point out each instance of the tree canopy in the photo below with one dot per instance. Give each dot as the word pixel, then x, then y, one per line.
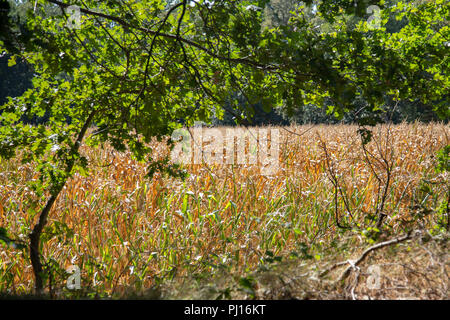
pixel 139 69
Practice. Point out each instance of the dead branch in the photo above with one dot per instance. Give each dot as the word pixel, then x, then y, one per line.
pixel 354 263
pixel 380 245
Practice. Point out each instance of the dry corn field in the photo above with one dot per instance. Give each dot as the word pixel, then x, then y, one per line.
pixel 126 231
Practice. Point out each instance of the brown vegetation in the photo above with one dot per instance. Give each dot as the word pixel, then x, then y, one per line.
pixel 128 233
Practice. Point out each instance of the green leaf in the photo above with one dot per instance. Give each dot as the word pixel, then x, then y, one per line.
pixel 12 61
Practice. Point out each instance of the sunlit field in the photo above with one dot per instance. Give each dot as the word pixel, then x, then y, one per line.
pixel 128 233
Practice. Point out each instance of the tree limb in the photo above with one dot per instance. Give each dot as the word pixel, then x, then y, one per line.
pixel 355 263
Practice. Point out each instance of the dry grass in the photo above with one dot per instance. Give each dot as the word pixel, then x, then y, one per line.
pixel 128 233
pixel 416 269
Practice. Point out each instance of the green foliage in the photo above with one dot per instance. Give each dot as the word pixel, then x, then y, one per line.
pixel 443 158
pixel 4 238
pixel 372 234
pixel 443 211
pixel 443 219
pixel 248 285
pixel 366 135
pixel 60 230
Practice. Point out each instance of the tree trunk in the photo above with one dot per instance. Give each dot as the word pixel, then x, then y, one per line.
pixel 35 235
